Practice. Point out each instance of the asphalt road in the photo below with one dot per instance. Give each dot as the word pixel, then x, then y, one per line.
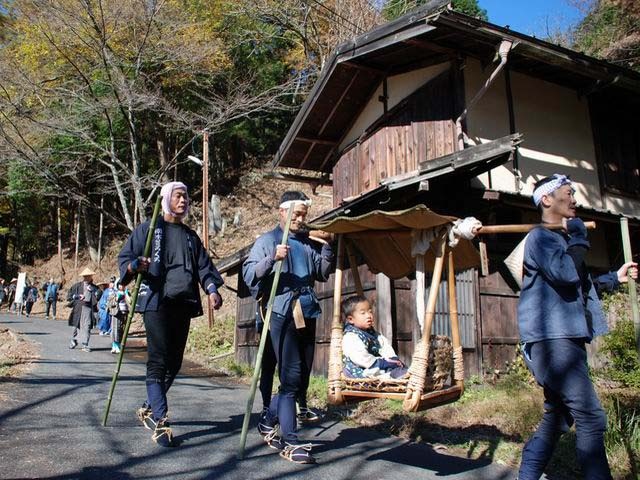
pixel 50 427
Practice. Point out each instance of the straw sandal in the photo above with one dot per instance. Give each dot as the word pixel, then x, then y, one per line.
pixel 162 434
pixel 298 453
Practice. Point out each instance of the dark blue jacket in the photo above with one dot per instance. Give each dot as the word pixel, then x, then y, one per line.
pixel 151 289
pixel 257 269
pixel 552 302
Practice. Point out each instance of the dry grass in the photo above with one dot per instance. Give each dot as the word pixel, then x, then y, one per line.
pixel 493 422
pixel 16 354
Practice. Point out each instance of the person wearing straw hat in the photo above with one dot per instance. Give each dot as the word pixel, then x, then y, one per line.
pixel 293 319
pixel 168 297
pixel 558 313
pixel 83 300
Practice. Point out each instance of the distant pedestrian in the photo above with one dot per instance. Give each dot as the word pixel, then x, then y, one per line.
pixel 83 298
pixel 118 306
pixel 3 291
pixel 51 298
pixel 11 295
pixel 31 296
pixel 104 317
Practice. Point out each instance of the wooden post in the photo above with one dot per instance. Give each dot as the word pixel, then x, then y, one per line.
pixel 334 396
pixel 633 294
pixel 60 242
pixel 100 231
pixel 438 267
pixel 75 262
pixel 419 363
pixel 453 310
pixel 354 269
pixel 205 208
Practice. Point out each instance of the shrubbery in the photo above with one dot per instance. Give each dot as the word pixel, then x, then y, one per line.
pixel 620 345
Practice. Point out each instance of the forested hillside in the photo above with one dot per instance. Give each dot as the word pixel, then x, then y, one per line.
pixel 101 101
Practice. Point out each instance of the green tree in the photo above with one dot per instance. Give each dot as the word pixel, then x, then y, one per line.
pixel 610 30
pixel 395 8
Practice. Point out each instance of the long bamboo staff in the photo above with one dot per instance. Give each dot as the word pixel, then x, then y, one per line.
pixel 524 228
pixel 134 300
pixel 263 340
pixel 633 293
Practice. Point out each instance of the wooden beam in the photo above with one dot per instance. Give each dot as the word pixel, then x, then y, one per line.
pixel 426 44
pixel 361 66
pixel 320 141
pixel 288 177
pixel 473 154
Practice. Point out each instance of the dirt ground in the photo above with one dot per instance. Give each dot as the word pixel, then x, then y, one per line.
pixel 16 354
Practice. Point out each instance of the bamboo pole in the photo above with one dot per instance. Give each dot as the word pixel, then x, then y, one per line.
pixel 263 340
pixel 524 228
pixel 335 347
pixel 453 311
pixel 419 363
pixel 354 269
pixel 633 293
pixel 132 310
pixel 430 312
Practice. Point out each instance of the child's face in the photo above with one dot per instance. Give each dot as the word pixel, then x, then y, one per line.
pixel 362 316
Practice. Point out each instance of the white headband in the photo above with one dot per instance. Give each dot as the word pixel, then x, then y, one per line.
pixel 550 187
pixel 288 203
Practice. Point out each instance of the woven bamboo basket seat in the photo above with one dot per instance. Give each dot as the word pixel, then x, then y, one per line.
pixel 439 372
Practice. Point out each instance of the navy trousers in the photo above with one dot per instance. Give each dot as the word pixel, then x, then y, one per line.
pixel 307 342
pixel 288 345
pixel 560 367
pixel 167 331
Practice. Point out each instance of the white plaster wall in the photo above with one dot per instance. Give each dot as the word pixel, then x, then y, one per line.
pixel 620 204
pixel 557 136
pixel 398 88
pixel 488 119
pixel 555 124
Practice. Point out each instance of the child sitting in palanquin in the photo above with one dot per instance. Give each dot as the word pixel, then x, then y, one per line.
pixel 366 353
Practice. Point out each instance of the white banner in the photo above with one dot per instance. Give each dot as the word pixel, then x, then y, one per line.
pixel 22 281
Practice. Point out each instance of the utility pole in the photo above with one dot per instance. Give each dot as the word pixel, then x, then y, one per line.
pixel 75 262
pixel 205 208
pixel 100 231
pixel 60 241
pixel 633 294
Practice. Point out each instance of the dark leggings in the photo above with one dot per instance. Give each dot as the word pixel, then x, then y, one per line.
pixel 167 331
pixel 307 337
pixel 560 367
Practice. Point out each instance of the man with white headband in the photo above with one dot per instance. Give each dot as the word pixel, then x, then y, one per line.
pixel 558 313
pixel 293 319
pixel 169 297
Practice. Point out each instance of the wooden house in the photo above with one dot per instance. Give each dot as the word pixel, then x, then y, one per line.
pixel 464 116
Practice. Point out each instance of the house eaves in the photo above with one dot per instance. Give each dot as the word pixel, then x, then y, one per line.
pixel 432 34
pixel 526 201
pixel 467 163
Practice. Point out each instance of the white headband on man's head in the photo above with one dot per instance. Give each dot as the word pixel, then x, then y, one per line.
pixel 166 191
pixel 287 204
pixel 550 187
